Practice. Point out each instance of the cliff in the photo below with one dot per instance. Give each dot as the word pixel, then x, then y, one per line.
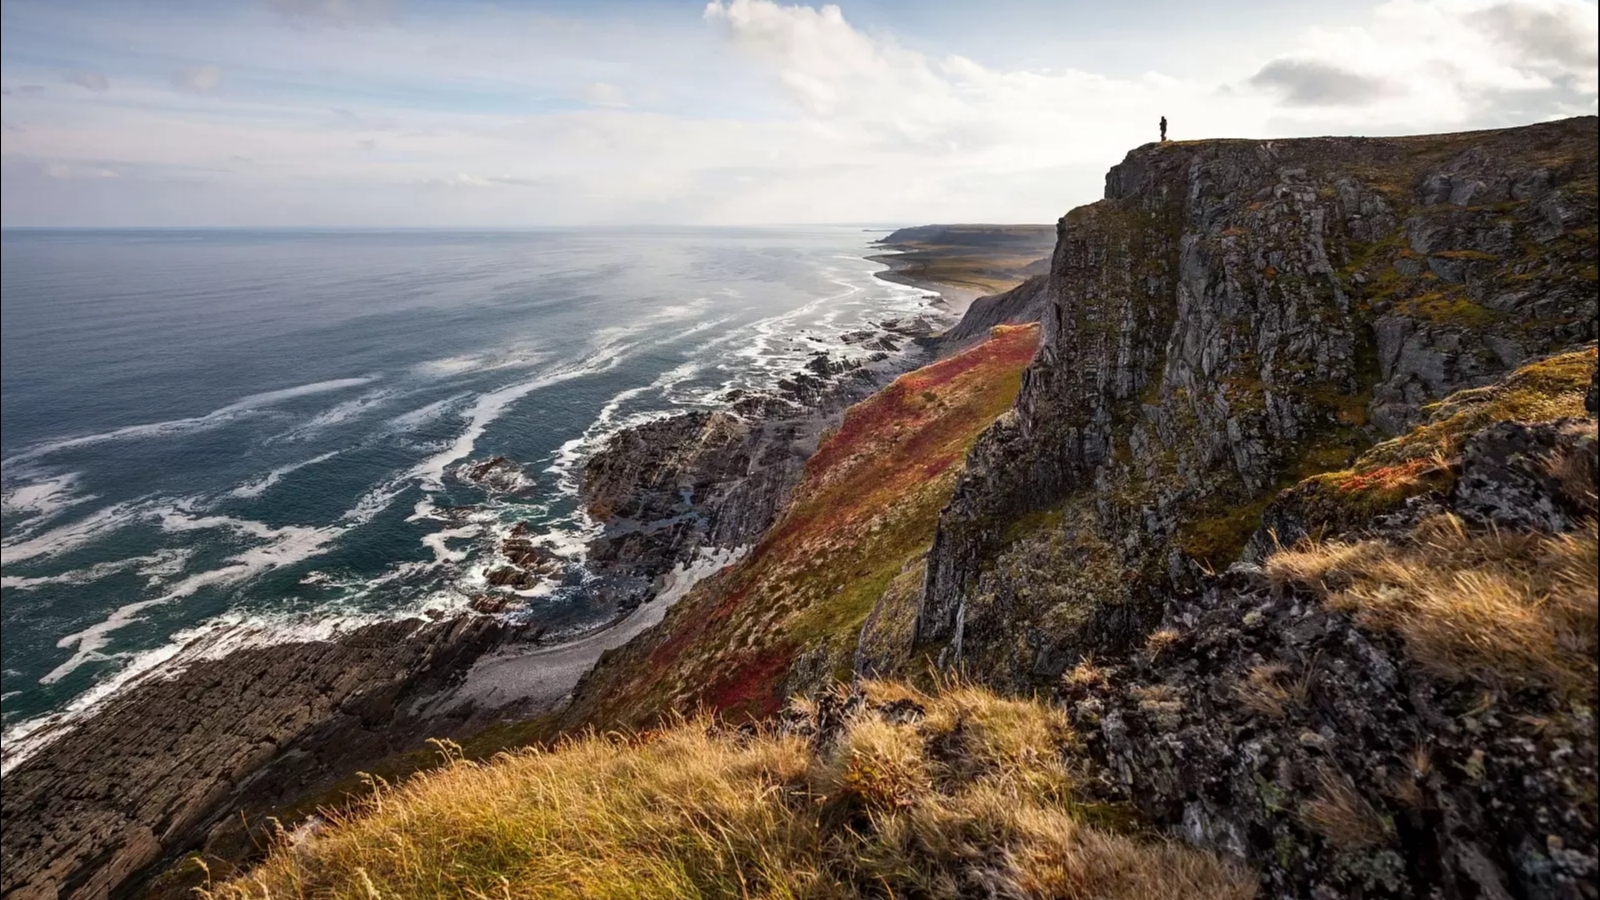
pixel 1233 317
pixel 1283 518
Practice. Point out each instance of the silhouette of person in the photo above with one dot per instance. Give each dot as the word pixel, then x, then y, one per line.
pixel 1163 129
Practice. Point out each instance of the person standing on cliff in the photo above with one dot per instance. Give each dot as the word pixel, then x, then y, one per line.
pixel 1163 129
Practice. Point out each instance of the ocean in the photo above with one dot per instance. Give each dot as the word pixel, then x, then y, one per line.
pixel 219 437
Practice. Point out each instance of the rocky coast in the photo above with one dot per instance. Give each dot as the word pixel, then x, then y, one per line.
pixel 196 763
pixel 1283 515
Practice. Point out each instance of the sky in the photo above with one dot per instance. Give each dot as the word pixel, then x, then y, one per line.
pixel 453 113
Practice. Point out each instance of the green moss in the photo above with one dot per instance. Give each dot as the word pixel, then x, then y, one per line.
pixel 1548 389
pixel 1447 309
pixel 1216 541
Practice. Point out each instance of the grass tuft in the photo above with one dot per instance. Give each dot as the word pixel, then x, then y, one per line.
pixel 1505 609
pixel 974 795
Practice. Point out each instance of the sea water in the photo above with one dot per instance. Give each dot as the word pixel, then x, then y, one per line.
pixel 220 437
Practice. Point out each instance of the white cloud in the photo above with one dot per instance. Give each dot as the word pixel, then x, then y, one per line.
pixel 94 81
pixel 1447 63
pixel 601 93
pixel 199 79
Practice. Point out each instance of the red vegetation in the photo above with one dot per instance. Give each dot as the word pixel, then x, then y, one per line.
pixel 1386 478
pixel 754 687
pixel 868 503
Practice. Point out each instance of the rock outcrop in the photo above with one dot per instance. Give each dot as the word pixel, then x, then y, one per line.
pixel 671 487
pixel 1265 722
pixel 1024 303
pixel 172 765
pixel 1235 316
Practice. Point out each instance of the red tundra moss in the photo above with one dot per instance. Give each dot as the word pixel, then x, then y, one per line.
pixel 787 616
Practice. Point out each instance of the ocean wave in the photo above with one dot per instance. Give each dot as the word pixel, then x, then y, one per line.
pixel 258 486
pixel 489 407
pixel 337 415
pixel 156 566
pixel 211 419
pixel 286 545
pixel 42 499
pixel 73 534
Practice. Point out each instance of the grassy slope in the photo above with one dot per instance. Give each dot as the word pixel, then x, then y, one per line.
pixel 865 510
pixel 945 796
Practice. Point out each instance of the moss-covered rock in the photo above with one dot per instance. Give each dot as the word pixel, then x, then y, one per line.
pixel 1238 316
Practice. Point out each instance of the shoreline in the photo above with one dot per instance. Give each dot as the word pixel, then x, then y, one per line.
pixel 955 298
pixel 285 721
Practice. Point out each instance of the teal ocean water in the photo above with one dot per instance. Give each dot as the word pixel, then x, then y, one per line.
pixel 213 438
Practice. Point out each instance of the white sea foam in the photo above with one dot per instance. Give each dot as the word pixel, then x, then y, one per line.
pixel 488 407
pixel 157 565
pixel 286 545
pixel 179 426
pixel 438 542
pixel 450 365
pixel 337 414
pixel 425 414
pixel 45 497
pixel 257 487
pixel 73 534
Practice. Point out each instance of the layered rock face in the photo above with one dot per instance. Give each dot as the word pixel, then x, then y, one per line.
pixel 1235 316
pixel 173 765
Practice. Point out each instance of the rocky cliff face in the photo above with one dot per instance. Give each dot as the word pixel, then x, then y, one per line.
pixel 1281 715
pixel 1233 317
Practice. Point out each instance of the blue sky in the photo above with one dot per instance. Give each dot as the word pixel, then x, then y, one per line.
pixel 456 113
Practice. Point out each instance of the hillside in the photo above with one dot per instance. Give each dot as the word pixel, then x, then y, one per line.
pixel 878 792
pixel 1281 524
pixel 787 616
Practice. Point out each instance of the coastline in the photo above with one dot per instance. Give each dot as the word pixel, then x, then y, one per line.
pixel 955 298
pixel 258 729
pixel 964 263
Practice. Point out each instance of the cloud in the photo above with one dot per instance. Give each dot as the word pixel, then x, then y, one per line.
pixel 30 89
pixel 1560 36
pixel 1311 83
pixel 367 144
pixel 94 81
pixel 463 180
pixel 198 79
pixel 336 12
pixel 61 171
pixel 602 94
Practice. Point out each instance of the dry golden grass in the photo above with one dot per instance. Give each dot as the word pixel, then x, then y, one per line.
pixel 1159 641
pixel 975 797
pixel 1342 815
pixel 1505 609
pixel 1268 689
pixel 1541 391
